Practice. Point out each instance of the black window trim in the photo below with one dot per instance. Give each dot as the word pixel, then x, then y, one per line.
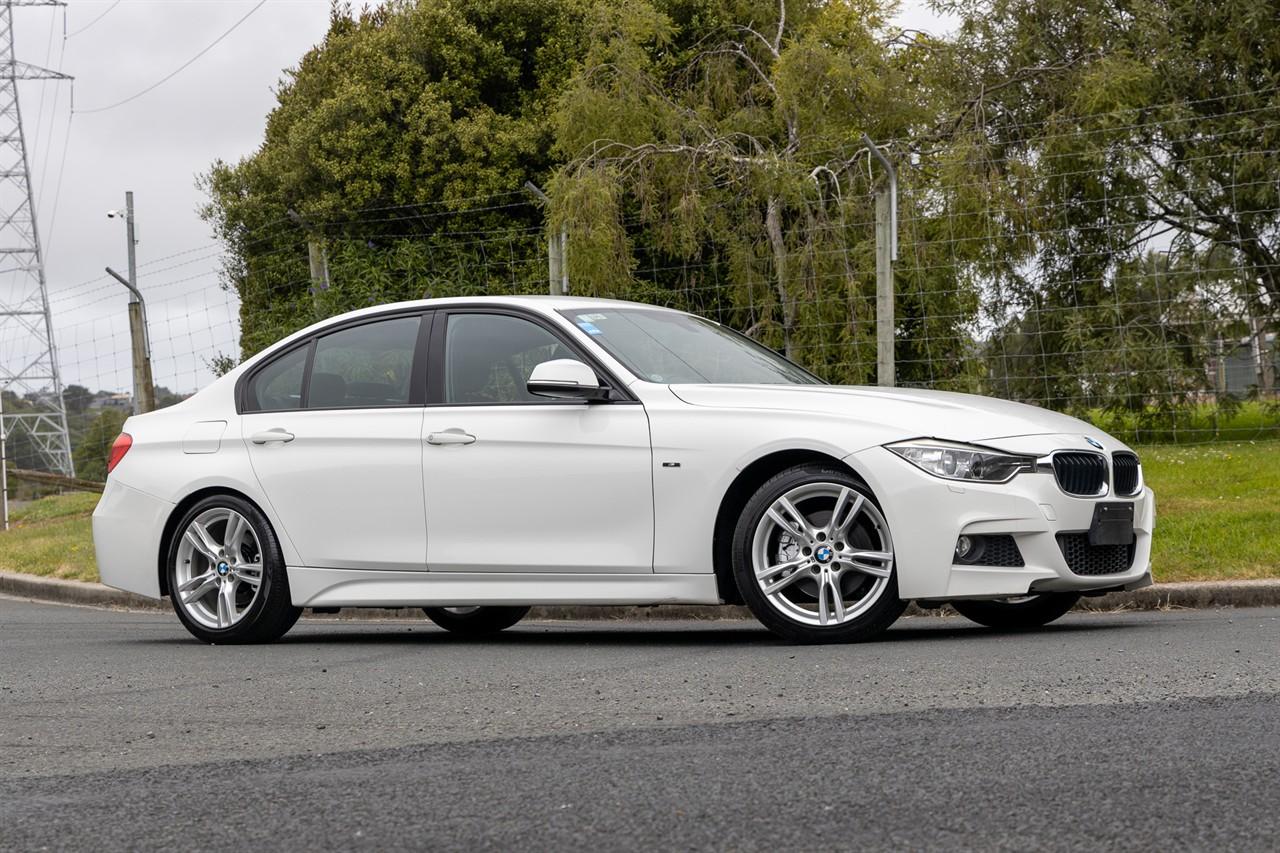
pixel 618 391
pixel 417 375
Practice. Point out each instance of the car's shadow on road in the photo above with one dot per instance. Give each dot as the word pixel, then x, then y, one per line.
pixel 656 634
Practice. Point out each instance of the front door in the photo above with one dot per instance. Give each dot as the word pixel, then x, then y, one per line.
pixel 335 442
pixel 520 483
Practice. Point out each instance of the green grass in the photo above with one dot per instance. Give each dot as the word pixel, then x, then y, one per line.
pixel 1250 420
pixel 1217 516
pixel 1217 508
pixel 51 537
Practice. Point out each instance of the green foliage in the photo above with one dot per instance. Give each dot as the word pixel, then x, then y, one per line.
pixel 94 447
pixel 409 104
pixel 1087 190
pixel 1093 129
pixel 714 162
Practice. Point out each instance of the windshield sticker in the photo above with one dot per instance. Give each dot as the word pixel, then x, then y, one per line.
pixel 589 327
pixel 590 318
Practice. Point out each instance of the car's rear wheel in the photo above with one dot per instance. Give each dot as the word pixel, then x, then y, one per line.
pixel 1018 614
pixel 226 574
pixel 475 621
pixel 813 557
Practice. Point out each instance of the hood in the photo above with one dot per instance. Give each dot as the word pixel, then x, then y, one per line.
pixel 910 412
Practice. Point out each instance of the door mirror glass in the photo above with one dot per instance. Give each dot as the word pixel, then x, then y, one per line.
pixel 566 379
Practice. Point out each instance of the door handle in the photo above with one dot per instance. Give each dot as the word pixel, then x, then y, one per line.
pixel 450 436
pixel 277 434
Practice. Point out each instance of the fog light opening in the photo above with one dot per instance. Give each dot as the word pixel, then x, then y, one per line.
pixel 969 549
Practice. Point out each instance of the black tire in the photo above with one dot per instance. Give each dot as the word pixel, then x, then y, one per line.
pixel 272 612
pixel 477 622
pixel 877 617
pixel 1016 615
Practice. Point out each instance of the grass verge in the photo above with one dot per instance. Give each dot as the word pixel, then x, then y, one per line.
pixel 1217 507
pixel 52 537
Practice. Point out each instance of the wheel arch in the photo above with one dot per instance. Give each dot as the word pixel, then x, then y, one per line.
pixel 179 510
pixel 735 498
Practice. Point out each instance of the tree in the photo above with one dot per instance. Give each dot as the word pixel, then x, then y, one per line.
pixel 726 136
pixel 405 113
pixel 94 447
pixel 76 399
pixel 1101 132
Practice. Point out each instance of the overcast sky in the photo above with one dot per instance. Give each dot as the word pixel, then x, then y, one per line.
pixel 156 146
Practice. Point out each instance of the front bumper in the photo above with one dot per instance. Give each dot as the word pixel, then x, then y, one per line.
pixel 927 514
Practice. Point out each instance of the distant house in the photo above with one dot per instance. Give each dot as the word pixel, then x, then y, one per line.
pixel 1246 366
pixel 122 401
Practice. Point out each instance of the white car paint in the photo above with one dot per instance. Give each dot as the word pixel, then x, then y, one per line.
pixel 581 503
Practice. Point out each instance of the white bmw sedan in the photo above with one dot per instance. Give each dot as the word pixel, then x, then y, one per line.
pixel 474 457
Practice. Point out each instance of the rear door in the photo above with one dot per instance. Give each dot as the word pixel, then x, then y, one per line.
pixel 520 483
pixel 333 429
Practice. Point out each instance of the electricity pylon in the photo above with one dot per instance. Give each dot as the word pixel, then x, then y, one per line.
pixel 28 357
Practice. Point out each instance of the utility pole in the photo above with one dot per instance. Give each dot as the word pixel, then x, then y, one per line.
pixel 886 254
pixel 144 392
pixel 557 250
pixel 25 320
pixel 317 258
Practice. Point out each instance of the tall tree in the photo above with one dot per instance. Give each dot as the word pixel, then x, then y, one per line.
pixel 727 135
pixel 1101 132
pixel 405 112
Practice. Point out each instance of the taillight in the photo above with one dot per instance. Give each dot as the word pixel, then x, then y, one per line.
pixel 119 448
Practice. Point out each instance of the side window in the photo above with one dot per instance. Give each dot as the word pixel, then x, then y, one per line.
pixel 278 385
pixel 488 358
pixel 367 365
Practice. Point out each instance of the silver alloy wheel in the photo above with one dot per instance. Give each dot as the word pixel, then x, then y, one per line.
pixel 218 568
pixel 463 611
pixel 822 554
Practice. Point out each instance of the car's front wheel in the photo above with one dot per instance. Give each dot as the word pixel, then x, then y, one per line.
pixel 226 574
pixel 1018 614
pixel 475 621
pixel 813 557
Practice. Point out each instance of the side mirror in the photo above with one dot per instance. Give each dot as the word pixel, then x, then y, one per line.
pixel 566 379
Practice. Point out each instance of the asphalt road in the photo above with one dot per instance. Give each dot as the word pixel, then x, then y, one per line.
pixel 1106 731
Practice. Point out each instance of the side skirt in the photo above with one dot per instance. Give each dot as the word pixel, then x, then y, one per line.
pixel 311 587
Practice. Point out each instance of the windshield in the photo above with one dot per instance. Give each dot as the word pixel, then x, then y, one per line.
pixel 668 347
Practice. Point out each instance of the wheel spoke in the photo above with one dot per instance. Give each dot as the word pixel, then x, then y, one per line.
pixel 233 533
pixel 773 571
pixel 198 587
pixel 199 537
pixel 878 564
pixel 789 518
pixel 226 604
pixel 830 585
pixel 250 573
pixel 782 582
pixel 836 526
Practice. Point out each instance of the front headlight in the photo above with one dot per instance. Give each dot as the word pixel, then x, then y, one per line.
pixel 954 461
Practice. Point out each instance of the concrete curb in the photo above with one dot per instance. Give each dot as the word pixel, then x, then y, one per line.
pixel 1199 594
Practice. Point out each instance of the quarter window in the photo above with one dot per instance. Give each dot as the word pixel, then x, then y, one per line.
pixel 278 385
pixel 488 358
pixel 364 366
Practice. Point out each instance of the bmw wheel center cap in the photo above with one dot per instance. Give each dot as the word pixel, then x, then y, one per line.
pixel 223 569
pixel 823 554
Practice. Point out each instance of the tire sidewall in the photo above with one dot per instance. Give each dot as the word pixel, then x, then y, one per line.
pixel 272 605
pixel 878 617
